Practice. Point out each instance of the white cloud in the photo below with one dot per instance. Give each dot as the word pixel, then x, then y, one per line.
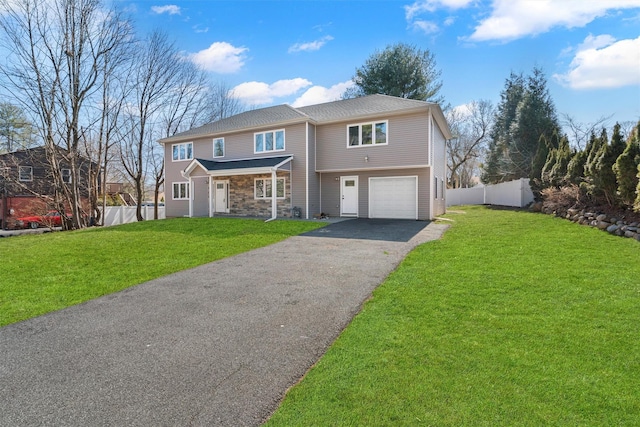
pixel 319 94
pixel 422 6
pixel 513 19
pixel 171 9
pixel 310 46
pixel 220 57
pixel 258 93
pixel 426 27
pixel 200 29
pixel 603 62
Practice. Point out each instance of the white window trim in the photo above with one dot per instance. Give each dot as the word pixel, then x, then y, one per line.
pixel 265 197
pixel 180 183
pixel 373 134
pixel 264 143
pixel 223 148
pixel 30 174
pixel 186 158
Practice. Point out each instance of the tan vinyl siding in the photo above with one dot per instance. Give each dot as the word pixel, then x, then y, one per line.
pixel 314 178
pixel 439 170
pixel 241 146
pixel 331 190
pixel 407 145
pixel 173 208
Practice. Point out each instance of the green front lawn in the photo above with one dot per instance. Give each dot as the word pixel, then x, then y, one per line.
pixel 48 272
pixel 512 319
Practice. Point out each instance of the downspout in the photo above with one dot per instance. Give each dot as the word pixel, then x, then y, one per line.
pixel 274 193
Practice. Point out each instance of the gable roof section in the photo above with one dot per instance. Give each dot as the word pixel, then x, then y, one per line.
pixel 277 116
pixel 238 167
pixel 354 109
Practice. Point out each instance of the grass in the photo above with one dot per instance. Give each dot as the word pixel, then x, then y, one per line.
pixel 48 272
pixel 512 319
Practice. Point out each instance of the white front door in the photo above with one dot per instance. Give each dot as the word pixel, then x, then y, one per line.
pixel 221 196
pixel 348 196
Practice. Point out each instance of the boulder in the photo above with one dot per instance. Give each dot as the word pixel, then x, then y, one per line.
pixel 602 225
pixel 601 217
pixel 612 228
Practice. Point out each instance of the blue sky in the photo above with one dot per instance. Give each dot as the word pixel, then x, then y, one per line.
pixel 306 52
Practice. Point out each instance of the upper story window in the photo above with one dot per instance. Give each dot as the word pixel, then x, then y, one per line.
pixel 66 175
pixel 367 134
pixel 182 151
pixel 218 147
pixel 268 141
pixel 25 173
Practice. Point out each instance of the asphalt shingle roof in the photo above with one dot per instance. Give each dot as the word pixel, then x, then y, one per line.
pixel 248 119
pixel 212 165
pixel 327 112
pixel 358 107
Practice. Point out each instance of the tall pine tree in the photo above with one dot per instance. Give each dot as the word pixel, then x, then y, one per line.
pixel 494 170
pixel 526 112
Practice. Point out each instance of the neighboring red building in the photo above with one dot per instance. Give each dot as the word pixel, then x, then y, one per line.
pixel 26 183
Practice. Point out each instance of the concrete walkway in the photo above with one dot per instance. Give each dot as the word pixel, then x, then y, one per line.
pixel 216 345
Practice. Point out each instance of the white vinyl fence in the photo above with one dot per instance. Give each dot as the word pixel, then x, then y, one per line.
pixel 116 215
pixel 513 193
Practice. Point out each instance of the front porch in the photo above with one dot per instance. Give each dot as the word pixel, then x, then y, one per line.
pixel 252 188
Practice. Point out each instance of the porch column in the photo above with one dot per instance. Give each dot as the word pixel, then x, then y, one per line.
pixel 274 193
pixel 210 196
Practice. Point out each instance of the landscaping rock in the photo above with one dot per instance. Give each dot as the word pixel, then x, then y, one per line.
pixel 612 228
pixel 601 217
pixel 602 225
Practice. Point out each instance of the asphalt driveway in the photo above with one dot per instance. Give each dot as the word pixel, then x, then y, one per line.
pixel 216 345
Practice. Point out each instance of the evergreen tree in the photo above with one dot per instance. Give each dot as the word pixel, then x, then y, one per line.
pixel 510 97
pixel 626 168
pixel 636 205
pixel 563 155
pixel 593 148
pixel 399 70
pixel 525 112
pixel 544 158
pixel 575 168
pixel 604 178
pixel 549 162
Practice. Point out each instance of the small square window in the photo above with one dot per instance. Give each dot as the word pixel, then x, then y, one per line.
pixel 25 173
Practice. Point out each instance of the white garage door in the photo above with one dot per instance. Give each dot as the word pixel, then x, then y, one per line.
pixel 393 197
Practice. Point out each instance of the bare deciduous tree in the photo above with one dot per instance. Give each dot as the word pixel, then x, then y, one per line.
pixel 168 91
pixel 470 127
pixel 222 102
pixel 58 50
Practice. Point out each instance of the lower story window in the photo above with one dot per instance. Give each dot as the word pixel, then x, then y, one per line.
pixel 180 191
pixel 263 188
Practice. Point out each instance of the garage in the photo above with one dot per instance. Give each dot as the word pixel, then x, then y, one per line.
pixel 393 197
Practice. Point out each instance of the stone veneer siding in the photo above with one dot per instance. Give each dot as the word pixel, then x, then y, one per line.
pixel 243 203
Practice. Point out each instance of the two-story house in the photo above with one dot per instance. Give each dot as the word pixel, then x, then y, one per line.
pixel 27 186
pixel 370 157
